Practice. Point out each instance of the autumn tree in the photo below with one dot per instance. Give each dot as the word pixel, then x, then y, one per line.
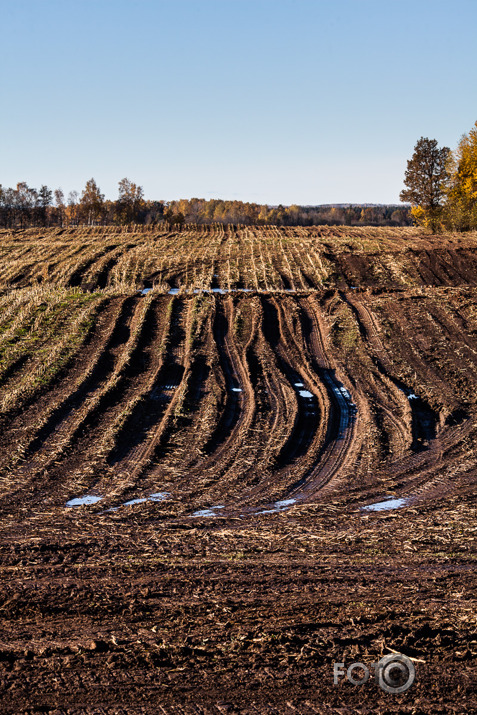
pixel 25 201
pixel 45 197
pixel 130 202
pixel 426 177
pixel 91 203
pixel 60 206
pixel 461 208
pixel 72 211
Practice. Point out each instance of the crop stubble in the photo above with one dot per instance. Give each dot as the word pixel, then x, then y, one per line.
pixel 196 396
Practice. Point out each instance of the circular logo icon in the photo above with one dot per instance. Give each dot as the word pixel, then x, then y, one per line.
pixel 396 673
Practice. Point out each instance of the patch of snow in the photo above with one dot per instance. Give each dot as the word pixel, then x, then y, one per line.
pixel 210 511
pixel 390 503
pixel 159 496
pixel 134 501
pixel 285 503
pixel 82 501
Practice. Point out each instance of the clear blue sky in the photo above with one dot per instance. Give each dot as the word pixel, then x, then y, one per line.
pixel 274 101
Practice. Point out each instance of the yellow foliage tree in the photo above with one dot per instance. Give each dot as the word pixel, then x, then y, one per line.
pixel 461 206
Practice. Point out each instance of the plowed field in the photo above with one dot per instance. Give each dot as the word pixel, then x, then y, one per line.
pixel 231 457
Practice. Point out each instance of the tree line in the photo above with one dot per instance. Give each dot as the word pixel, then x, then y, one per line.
pixel 441 185
pixel 24 207
pixel 238 212
pixel 441 188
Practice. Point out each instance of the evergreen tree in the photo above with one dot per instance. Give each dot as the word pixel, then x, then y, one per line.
pixel 426 178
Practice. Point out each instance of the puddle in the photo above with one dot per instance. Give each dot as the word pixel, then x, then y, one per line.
pixel 210 511
pixel 424 419
pixel 410 395
pixel 236 389
pixel 343 394
pixel 82 501
pixel 134 501
pixel 299 384
pixel 159 496
pixel 279 506
pixel 306 393
pixel 156 496
pixel 285 503
pixel 389 503
pixel 170 387
pixel 223 291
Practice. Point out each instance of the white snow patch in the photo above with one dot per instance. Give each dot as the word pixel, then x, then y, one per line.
pixel 159 496
pixel 210 511
pixel 390 503
pixel 82 501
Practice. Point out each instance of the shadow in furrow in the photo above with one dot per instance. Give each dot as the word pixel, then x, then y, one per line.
pixel 150 409
pixel 423 418
pixel 286 282
pixel 194 390
pixel 233 397
pixel 102 368
pixel 76 277
pixel 306 420
pixel 342 409
pixel 13 368
pixel 101 279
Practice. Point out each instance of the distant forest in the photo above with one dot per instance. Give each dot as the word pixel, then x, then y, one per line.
pixel 25 207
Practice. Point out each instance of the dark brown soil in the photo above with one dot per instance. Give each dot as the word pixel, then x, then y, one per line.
pixel 263 422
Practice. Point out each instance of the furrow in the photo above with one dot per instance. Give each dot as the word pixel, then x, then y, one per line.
pixel 71 445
